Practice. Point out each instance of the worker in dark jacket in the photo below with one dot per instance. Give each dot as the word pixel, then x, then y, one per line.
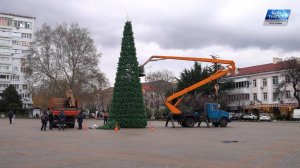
pixel 169 117
pixel 105 117
pixel 44 120
pixel 51 119
pixel 10 116
pixel 61 120
pixel 203 117
pixel 80 120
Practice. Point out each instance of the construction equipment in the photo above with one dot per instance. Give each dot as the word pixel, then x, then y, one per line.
pixel 216 116
pixel 71 111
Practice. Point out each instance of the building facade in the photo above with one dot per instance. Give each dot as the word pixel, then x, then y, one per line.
pixel 256 87
pixel 16 35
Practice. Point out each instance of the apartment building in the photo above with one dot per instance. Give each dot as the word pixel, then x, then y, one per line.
pixel 256 88
pixel 16 35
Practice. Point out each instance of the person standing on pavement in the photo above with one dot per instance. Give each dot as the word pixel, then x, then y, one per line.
pixel 80 120
pixel 51 119
pixel 105 117
pixel 44 120
pixel 61 118
pixel 10 116
pixel 203 117
pixel 169 117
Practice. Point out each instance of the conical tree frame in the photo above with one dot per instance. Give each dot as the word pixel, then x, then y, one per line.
pixel 127 107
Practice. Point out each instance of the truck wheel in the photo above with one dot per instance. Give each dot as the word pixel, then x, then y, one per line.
pixel 223 122
pixel 188 122
pixel 216 124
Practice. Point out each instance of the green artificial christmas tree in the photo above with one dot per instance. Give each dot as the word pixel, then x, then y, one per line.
pixel 127 107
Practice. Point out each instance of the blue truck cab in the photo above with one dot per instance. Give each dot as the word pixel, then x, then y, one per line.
pixel 211 112
pixel 216 116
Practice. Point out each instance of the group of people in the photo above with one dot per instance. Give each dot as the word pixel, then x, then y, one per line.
pixel 49 116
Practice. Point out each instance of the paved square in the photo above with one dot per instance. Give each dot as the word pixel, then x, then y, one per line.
pixel 241 144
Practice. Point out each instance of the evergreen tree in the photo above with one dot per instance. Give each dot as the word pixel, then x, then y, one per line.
pixel 11 100
pixel 127 108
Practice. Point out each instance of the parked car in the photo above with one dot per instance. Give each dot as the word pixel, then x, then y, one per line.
pixel 264 117
pixel 249 117
pixel 296 114
pixel 231 115
pixel 237 116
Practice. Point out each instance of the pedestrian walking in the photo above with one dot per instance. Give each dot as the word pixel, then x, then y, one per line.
pixel 203 117
pixel 61 120
pixel 44 120
pixel 51 119
pixel 10 116
pixel 105 117
pixel 80 120
pixel 169 117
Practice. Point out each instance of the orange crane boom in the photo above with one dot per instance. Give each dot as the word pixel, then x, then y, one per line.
pixel 230 67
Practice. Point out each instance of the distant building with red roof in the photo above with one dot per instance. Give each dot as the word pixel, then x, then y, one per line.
pixel 256 87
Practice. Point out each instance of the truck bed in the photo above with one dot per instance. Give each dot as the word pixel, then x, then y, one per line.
pixel 67 111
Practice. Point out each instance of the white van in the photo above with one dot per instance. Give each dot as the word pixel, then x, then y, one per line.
pixel 296 114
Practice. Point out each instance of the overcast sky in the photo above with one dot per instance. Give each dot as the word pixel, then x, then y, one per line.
pixel 230 29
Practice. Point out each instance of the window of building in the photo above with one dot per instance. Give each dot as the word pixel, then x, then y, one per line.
pixel 24 86
pixel 17 34
pixel 15 59
pixel 4 76
pixel 16 86
pixel 241 84
pixel 4 59
pixel 247 97
pixel 4 42
pixel 25 51
pixel 4 32
pixel 23 61
pixel 275 96
pixel 21 43
pixel 17 51
pixel 23 69
pixel 22 24
pixel 26 35
pixel 265 82
pixel 288 94
pixel 4 67
pixel 5 21
pixel 254 83
pixel 265 96
pixel 4 50
pixel 254 96
pixel 16 69
pixel 15 77
pixel 242 96
pixel 3 85
pixel 275 80
pixel 28 25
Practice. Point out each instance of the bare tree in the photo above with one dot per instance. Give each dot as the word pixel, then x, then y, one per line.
pixel 292 78
pixel 65 57
pixel 161 83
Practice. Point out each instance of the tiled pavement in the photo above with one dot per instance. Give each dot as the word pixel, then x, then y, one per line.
pixel 276 144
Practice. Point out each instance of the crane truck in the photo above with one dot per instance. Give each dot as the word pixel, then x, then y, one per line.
pixel 70 110
pixel 187 119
